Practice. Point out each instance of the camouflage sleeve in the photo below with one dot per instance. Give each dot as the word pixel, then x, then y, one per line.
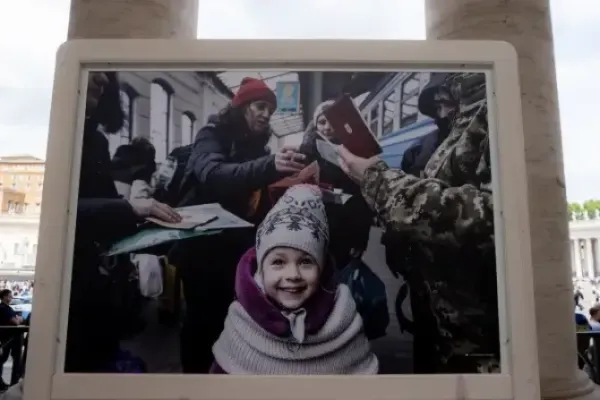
pixel 427 208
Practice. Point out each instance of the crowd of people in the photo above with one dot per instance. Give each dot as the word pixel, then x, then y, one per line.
pixel 13 342
pixel 267 300
pixel 587 319
pixel 18 288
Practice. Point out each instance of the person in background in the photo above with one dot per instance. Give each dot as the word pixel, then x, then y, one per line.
pixel 436 102
pixel 230 164
pixel 582 324
pixel 595 317
pixel 166 181
pixel 578 298
pixel 133 162
pixel 11 341
pixel 103 217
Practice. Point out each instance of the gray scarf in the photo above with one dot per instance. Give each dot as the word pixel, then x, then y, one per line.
pixel 340 347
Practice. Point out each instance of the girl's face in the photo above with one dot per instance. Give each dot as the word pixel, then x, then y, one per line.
pixel 324 128
pixel 290 277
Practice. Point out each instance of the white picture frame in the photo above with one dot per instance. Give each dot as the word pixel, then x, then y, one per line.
pixel 519 376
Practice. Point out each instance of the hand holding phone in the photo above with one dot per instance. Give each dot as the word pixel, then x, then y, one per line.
pixel 353 165
pixel 350 128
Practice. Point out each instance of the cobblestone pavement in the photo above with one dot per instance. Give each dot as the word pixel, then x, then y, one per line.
pixel 7 370
pixel 395 349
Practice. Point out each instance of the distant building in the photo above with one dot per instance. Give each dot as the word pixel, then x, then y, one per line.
pixel 585 250
pixel 21 184
pixel 18 245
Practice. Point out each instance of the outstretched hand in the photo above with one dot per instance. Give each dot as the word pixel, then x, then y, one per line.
pixel 353 165
pixel 151 208
pixel 289 160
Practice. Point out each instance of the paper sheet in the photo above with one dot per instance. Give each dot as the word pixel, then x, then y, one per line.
pixel 328 151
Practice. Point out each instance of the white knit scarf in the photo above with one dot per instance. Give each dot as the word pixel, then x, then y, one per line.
pixel 339 347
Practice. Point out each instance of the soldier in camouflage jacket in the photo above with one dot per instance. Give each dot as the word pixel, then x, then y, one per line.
pixel 447 216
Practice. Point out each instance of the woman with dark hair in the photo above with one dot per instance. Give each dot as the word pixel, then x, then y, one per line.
pixel 103 217
pixel 230 164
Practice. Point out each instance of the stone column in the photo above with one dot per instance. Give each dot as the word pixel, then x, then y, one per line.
pixel 596 248
pixel 576 254
pixel 589 259
pixel 526 24
pixel 576 246
pixel 139 19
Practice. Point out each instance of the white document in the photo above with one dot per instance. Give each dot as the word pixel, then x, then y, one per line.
pixel 328 151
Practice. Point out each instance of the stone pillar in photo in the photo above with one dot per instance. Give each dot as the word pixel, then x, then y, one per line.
pixel 526 24
pixel 139 19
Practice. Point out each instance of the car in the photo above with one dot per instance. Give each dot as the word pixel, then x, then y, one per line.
pixel 22 306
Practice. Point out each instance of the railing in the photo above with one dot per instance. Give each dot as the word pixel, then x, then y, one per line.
pixel 16 344
pixel 588 349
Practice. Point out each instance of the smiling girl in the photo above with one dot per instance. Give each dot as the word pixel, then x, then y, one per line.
pixel 291 316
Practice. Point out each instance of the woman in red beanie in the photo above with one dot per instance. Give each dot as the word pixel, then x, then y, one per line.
pixel 231 165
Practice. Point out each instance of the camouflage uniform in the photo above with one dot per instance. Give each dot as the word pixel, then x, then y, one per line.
pixel 448 214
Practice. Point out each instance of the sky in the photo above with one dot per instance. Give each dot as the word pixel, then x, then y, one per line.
pixel 37 27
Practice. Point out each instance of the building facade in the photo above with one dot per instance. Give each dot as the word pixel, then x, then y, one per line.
pixel 21 185
pixel 167 108
pixel 585 250
pixel 18 245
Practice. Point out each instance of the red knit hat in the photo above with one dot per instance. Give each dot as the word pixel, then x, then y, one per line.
pixel 253 90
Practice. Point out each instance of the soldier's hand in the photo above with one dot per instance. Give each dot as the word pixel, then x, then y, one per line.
pixel 353 165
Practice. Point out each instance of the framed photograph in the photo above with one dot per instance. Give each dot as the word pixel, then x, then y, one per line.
pixel 260 220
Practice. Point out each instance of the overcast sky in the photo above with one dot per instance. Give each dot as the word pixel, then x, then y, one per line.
pixel 31 30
